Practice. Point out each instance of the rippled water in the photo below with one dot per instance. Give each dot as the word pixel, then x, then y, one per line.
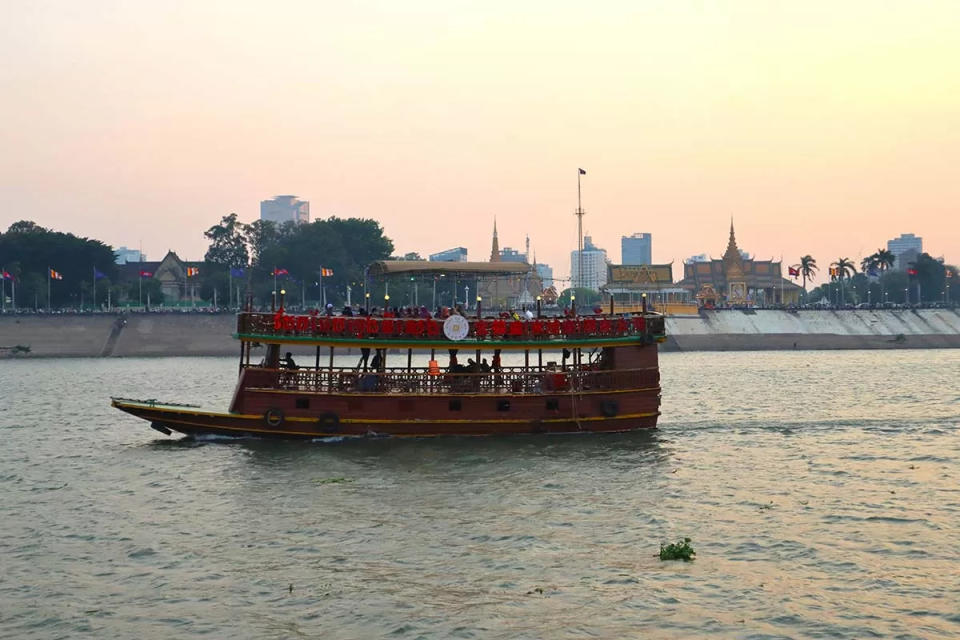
pixel 820 490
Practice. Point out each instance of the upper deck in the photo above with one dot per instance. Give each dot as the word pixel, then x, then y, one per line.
pixel 428 333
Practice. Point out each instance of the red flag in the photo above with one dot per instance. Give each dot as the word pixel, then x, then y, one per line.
pixel 279 272
pixel 911 272
pixel 326 273
pixel 193 271
pixel 9 276
pixel 793 272
pixel 146 274
pixel 55 275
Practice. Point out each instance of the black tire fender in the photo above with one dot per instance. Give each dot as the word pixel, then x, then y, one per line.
pixel 273 417
pixel 329 421
pixel 609 408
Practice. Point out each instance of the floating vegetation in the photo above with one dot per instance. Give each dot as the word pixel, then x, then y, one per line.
pixel 538 590
pixel 677 551
pixel 332 480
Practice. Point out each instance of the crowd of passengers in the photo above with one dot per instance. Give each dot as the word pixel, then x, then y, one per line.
pixel 441 313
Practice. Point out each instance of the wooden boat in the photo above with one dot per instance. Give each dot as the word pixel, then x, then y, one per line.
pixel 585 373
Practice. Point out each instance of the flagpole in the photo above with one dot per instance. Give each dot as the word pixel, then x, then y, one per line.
pixel 230 287
pixel 274 279
pixel 579 214
pixel 140 282
pixel 48 287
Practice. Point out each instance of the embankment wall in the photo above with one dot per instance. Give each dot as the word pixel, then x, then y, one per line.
pixel 209 335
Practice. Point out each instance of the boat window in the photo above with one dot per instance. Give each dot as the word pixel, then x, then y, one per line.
pixel 456 405
pixel 503 405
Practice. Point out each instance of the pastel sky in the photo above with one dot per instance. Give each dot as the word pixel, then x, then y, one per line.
pixel 821 127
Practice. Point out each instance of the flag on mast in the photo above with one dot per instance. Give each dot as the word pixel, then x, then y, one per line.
pixel 582 172
pixel 326 273
pixel 55 275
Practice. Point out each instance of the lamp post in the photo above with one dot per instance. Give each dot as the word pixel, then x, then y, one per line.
pixel 573 302
pixel 539 299
pixel 479 301
pixel 643 302
pixel 366 297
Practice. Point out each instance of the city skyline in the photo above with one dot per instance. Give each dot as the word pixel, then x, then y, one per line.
pixel 821 128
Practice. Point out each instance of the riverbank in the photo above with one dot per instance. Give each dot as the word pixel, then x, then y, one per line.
pixel 198 334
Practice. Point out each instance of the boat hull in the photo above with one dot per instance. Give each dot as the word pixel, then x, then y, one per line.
pixel 194 422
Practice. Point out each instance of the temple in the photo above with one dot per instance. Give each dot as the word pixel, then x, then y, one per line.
pixel 737 281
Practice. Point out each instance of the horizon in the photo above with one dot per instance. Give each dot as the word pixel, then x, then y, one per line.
pixel 821 129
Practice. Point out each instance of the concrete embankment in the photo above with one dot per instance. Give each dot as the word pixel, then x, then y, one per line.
pixel 192 334
pixel 739 330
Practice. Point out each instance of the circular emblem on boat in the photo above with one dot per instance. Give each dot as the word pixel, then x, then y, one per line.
pixel 456 328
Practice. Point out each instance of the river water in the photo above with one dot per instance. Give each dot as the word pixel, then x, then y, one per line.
pixel 821 491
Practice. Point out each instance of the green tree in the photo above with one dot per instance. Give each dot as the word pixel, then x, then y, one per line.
pixel 35 249
pixel 808 269
pixel 228 246
pixel 844 269
pixel 584 297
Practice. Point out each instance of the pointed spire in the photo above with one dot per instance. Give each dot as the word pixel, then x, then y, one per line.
pixel 732 255
pixel 495 249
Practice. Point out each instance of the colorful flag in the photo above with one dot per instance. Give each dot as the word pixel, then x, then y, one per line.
pixel 98 274
pixel 326 273
pixel 236 273
pixel 947 273
pixel 279 272
pixel 146 274
pixel 193 271
pixel 793 271
pixel 911 272
pixel 55 275
pixel 9 276
pixel 582 172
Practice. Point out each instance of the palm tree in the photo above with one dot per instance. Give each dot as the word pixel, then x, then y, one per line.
pixel 808 269
pixel 869 263
pixel 844 269
pixel 883 260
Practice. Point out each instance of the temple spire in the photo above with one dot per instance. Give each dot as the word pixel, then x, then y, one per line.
pixel 732 255
pixel 495 249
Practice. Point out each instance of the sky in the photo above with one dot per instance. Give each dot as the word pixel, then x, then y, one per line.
pixel 822 128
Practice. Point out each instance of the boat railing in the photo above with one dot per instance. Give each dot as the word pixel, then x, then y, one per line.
pixel 251 325
pixel 422 381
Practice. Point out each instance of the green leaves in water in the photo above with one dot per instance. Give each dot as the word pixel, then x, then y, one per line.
pixel 677 551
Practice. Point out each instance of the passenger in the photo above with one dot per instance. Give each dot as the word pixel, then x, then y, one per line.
pixel 364 357
pixel 453 360
pixel 377 361
pixel 329 308
pixel 528 314
pixel 485 366
pixel 347 310
pixel 288 362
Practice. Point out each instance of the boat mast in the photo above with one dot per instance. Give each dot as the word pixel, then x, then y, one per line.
pixel 579 213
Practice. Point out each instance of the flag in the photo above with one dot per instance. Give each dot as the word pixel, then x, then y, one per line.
pixel 98 274
pixel 793 271
pixel 582 172
pixel 236 273
pixel 947 273
pixel 279 272
pixel 193 271
pixel 9 276
pixel 911 272
pixel 325 273
pixel 55 275
pixel 146 274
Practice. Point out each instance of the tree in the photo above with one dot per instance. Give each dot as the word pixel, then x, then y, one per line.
pixel 844 269
pixel 584 297
pixel 808 269
pixel 227 244
pixel 929 276
pixel 34 250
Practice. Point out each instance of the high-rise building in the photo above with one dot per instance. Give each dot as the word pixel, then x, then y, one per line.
pixel 906 248
pixel 545 272
pixel 636 249
pixel 508 254
pixel 457 254
pixel 594 273
pixel 122 255
pixel 285 209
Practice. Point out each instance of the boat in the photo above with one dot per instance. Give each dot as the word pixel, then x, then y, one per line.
pixel 576 373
